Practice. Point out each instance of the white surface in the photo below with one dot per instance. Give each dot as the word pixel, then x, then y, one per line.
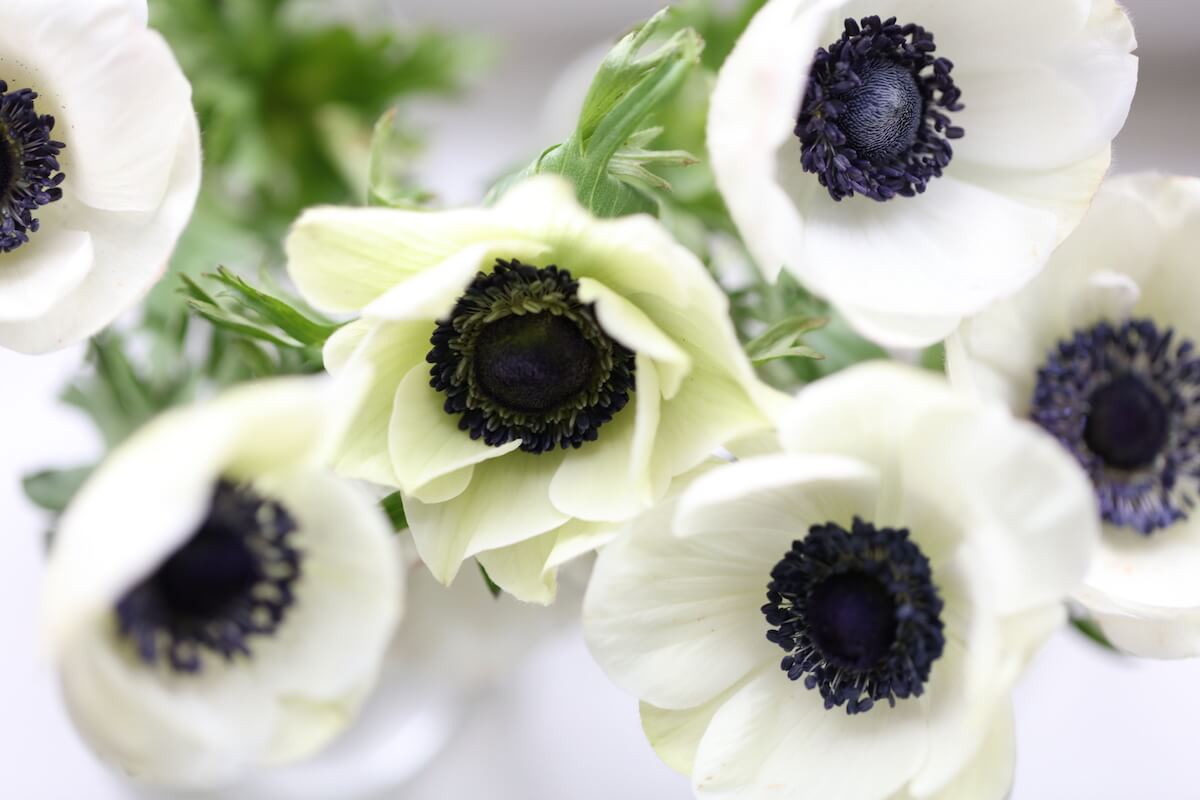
pixel 1090 725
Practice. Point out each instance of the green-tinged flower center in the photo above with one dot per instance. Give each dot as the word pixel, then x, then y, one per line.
pixel 520 357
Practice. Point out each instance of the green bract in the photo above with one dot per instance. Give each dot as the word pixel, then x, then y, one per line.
pixel 607 156
pixel 422 280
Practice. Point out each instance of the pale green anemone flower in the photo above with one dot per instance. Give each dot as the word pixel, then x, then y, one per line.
pixel 902 560
pixel 216 600
pixel 538 374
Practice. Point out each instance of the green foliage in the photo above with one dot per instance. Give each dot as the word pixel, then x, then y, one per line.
pixel 280 99
pixel 393 506
pixel 491 584
pixel 53 489
pixel 784 339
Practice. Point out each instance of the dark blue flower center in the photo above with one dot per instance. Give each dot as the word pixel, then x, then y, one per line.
pixel 1123 399
pixel 873 120
pixel 520 357
pixel 231 581
pixel 29 170
pixel 884 113
pixel 1127 424
pixel 858 614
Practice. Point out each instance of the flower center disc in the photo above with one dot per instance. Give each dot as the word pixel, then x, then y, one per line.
pixel 232 580
pixel 884 113
pixel 1127 424
pixel 534 363
pixel 852 618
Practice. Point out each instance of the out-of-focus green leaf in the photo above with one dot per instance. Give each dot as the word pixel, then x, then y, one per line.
pixel 393 506
pixel 53 489
pixel 784 340
pixel 487 579
pixel 391 155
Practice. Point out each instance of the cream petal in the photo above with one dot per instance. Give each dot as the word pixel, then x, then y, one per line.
pixel 343 258
pixel 775 738
pixel 305 727
pixel 609 479
pixel 42 271
pixel 521 569
pixel 780 495
pixel 1148 572
pixel 677 621
pixel 629 325
pixel 130 252
pixel 349 598
pixel 631 255
pixel 430 294
pixel 507 502
pixel 425 442
pixel 342 344
pixel 388 353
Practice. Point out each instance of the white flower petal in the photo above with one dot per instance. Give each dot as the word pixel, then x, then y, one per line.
pixel 781 494
pixel 200 733
pixel 39 273
pixel 506 502
pixel 342 343
pixel 1018 495
pixel 675 734
pixel 350 595
pixel 950 252
pixel 775 738
pixel 1152 572
pixel 677 622
pixel 751 118
pixel 130 252
pixel 425 442
pixel 1154 635
pixel 520 569
pixel 989 773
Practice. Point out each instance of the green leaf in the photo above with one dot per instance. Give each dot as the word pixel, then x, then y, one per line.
pixel 491 584
pixel 53 489
pixel 393 506
pixel 1090 629
pixel 784 340
pixel 281 314
pixel 934 358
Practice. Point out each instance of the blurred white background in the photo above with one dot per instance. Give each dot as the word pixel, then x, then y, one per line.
pixel 1090 725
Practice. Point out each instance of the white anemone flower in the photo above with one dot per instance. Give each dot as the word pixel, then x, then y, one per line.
pixel 99 166
pixel 538 373
pixel 912 161
pixel 215 599
pixel 913 549
pixel 1100 351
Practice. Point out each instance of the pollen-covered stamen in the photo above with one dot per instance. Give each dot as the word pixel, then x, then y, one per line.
pixel 29 170
pixel 857 613
pixel 231 581
pixel 873 120
pixel 1125 401
pixel 520 357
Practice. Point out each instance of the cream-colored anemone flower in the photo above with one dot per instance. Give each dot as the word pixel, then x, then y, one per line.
pixel 912 161
pixel 215 600
pixel 905 556
pixel 1100 351
pixel 99 166
pixel 538 373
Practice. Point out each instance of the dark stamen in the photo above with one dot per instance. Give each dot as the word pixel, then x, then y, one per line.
pixel 29 170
